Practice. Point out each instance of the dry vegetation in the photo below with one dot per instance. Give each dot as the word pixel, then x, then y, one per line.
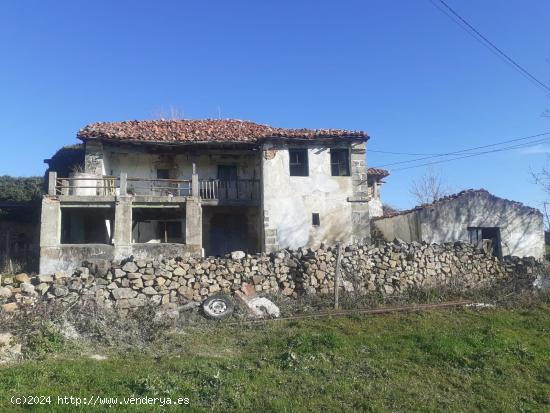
pixel 492 359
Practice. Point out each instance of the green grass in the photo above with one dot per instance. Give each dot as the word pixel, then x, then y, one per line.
pixel 455 361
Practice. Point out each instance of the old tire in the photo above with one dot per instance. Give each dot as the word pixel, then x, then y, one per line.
pixel 218 307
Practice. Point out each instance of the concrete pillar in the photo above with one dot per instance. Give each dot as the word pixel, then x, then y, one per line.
pixel 193 222
pixel 52 181
pixel 195 183
pixel 123 221
pixel 50 232
pixel 50 222
pixel 123 184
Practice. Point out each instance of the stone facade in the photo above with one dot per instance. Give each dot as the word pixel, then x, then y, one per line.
pixel 386 268
pixel 290 201
pixel 262 208
pixel 360 218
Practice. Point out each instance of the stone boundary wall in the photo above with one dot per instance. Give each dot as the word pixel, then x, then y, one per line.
pixel 386 268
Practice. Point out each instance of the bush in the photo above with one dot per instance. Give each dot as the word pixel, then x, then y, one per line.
pixel 17 189
pixel 46 340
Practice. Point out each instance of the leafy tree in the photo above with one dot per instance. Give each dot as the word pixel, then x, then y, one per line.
pixel 21 189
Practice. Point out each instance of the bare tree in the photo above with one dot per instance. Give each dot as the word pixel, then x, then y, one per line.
pixel 429 187
pixel 542 179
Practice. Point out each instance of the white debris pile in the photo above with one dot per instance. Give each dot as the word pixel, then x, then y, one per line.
pixel 259 307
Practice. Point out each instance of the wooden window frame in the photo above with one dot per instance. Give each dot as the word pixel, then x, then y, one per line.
pixel 297 166
pixel 339 166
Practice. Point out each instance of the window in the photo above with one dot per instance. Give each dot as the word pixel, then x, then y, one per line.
pixel 163 174
pixel 298 162
pixel 315 219
pixel 475 235
pixel 339 162
pixel 480 235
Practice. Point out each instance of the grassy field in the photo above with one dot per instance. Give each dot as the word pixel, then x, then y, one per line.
pixel 492 360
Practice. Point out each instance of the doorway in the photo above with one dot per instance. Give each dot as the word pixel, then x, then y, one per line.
pixel 478 234
pixel 228 232
pixel 227 176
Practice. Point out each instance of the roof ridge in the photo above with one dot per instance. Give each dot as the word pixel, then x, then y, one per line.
pixel 451 197
pixel 203 130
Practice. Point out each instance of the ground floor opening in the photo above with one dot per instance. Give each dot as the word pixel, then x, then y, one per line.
pixel 231 228
pixel 87 225
pixel 158 225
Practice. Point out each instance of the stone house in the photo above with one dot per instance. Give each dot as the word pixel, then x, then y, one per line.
pixel 471 216
pixel 205 187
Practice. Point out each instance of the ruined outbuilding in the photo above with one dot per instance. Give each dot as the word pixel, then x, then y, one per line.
pixel 153 189
pixel 474 216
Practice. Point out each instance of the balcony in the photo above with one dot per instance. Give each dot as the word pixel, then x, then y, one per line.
pixel 245 190
pixel 104 188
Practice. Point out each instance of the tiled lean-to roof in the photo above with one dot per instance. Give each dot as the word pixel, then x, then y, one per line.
pixel 378 172
pixel 209 130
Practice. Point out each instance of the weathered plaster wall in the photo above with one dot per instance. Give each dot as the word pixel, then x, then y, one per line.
pixel 404 227
pixel 521 228
pixel 289 201
pixel 94 158
pixel 141 164
pixel 68 257
pixel 375 208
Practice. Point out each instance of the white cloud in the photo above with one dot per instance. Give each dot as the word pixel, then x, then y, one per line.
pixel 535 150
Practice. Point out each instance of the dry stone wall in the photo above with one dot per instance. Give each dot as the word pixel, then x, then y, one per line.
pixel 386 268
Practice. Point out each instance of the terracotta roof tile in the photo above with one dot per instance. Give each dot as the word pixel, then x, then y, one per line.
pixel 378 172
pixel 208 130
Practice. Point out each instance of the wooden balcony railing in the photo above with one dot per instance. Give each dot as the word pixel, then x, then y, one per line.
pixel 85 186
pixel 230 190
pixel 159 187
pixel 207 189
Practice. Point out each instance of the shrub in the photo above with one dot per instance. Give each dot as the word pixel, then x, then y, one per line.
pixel 46 340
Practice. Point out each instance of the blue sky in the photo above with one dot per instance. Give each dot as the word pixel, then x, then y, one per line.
pixel 401 70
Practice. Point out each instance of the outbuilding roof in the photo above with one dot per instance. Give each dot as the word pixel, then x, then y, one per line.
pixel 452 197
pixel 208 130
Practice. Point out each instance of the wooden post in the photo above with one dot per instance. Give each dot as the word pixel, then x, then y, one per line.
pixel 337 275
pixel 52 180
pixel 65 187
